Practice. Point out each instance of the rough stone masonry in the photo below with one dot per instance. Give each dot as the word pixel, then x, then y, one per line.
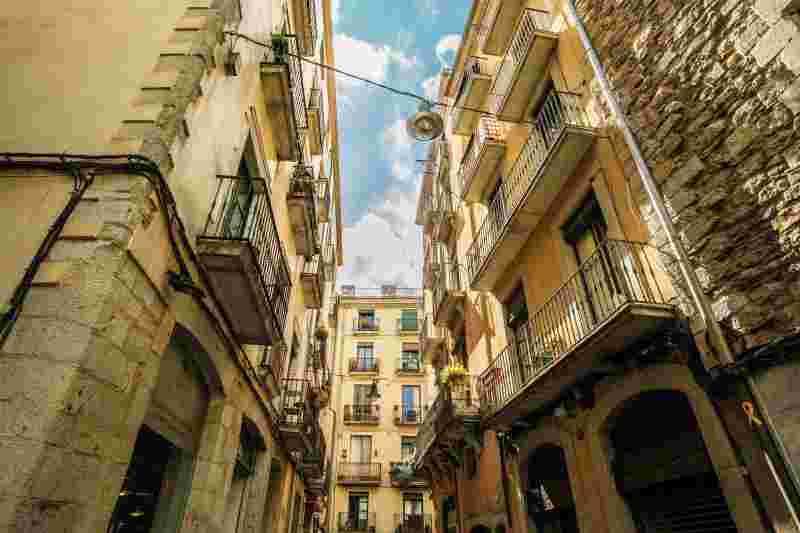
pixel 711 90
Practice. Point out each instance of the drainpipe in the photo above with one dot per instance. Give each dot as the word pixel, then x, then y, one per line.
pixel 701 302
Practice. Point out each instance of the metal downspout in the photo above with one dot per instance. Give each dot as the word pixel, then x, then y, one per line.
pixel 700 300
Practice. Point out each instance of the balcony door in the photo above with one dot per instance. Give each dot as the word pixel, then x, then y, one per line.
pixel 412 398
pixel 357 511
pixel 361 448
pixel 235 217
pixel 365 357
pixel 412 504
pixel 362 403
pixel 519 334
pixel 408 448
pixel 595 288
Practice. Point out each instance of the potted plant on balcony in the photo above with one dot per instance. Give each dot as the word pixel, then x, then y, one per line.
pixel 452 374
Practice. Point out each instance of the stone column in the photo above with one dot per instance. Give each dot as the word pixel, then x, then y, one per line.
pixel 213 470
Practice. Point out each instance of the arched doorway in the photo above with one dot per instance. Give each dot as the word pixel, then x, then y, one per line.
pixel 662 468
pixel 480 529
pixel 548 495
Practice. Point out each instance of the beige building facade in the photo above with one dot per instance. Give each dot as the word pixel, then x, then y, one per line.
pixel 174 191
pixel 576 362
pixel 382 389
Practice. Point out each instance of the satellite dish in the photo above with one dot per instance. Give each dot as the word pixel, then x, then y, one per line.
pixel 425 125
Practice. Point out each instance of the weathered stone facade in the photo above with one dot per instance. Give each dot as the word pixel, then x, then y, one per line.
pixel 711 91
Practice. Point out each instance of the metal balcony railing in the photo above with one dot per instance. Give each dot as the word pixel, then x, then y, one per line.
pixel 295 407
pixel 487 130
pixel 558 111
pixel 273 359
pixel 315 104
pixel 314 268
pixel 324 193
pixel 413 523
pixel 364 364
pixel 242 211
pixel 367 325
pixel 295 78
pixel 359 472
pixel 531 21
pixel 452 402
pixel 450 278
pixel 408 324
pixel 358 522
pixel 429 208
pixel 367 413
pixel 617 274
pixel 408 414
pixel 409 364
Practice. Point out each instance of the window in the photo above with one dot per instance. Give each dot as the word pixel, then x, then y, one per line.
pixel 367 320
pixel 408 320
pixel 409 358
pixel 408 448
pixel 518 327
pixel 411 403
pixel 236 215
pixel 243 470
pixel 360 448
pixel 364 361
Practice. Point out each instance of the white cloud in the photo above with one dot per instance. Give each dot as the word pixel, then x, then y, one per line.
pixel 430 87
pixel 428 8
pixel 398 150
pixel 383 247
pixel 336 11
pixel 447 47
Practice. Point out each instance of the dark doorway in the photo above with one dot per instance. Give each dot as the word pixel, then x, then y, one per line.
pixel 548 494
pixel 663 470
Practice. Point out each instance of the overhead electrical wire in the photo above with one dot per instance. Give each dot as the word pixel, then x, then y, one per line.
pixel 372 82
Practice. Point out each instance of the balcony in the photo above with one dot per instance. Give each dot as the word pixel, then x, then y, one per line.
pixel 410 366
pixel 446 221
pixel 359 474
pixel 430 340
pixel 367 413
pixel 304 16
pixel 500 20
pixel 302 203
pixel 449 291
pixel 284 97
pixel 430 263
pixel 408 415
pixel 556 143
pixel 271 367
pixel 613 301
pixel 356 522
pixel 428 212
pixel 476 78
pixel 478 170
pixel 366 325
pixel 454 412
pixel 241 250
pixel 407 325
pixel 316 120
pixel 312 464
pixel 297 416
pixel 524 65
pixel 313 281
pixel 324 200
pixel 403 475
pixel 413 523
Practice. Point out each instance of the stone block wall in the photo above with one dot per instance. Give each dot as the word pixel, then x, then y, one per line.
pixel 712 92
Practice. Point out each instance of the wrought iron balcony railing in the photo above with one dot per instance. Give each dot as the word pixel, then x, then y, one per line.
pixel 413 523
pixel 531 21
pixel 295 78
pixel 452 404
pixel 488 132
pixel 241 213
pixel 617 274
pixel 295 408
pixel 366 325
pixel 359 472
pixel 273 360
pixel 408 414
pixel 474 66
pixel 356 522
pixel 409 364
pixel 448 281
pixel 368 413
pixel 558 111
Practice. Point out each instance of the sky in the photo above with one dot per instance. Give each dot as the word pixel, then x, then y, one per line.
pixel 403 44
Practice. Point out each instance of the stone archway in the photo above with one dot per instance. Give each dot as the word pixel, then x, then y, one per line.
pixel 664 473
pixel 549 500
